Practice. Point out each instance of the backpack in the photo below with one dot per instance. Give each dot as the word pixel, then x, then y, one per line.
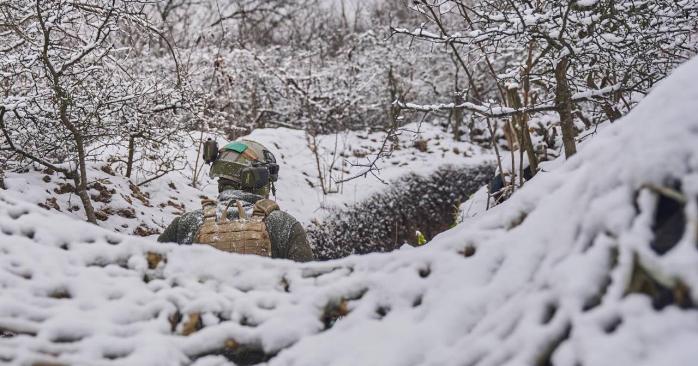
pixel 244 235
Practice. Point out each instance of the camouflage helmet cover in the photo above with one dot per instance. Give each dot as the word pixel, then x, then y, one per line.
pixel 237 155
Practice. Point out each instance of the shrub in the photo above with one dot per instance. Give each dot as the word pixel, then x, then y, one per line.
pixel 389 219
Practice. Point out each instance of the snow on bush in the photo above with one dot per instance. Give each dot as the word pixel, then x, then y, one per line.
pixel 390 219
pixel 575 268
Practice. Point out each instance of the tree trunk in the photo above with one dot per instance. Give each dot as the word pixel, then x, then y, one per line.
pixel 456 113
pixel 81 177
pixel 563 102
pixel 510 135
pixel 129 160
pixel 524 133
pixel 197 171
pixel 81 190
pixel 394 95
pixel 457 117
pixel 393 110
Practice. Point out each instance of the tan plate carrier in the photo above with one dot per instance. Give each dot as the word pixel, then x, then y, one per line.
pixel 244 235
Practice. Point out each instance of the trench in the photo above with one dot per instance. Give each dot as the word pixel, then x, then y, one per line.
pixel 388 219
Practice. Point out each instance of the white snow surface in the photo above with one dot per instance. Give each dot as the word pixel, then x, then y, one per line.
pixel 76 294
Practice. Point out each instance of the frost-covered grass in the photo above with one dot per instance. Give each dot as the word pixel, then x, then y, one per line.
pixel 562 273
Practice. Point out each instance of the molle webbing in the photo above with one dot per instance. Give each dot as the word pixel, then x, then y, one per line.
pixel 238 236
pixel 242 235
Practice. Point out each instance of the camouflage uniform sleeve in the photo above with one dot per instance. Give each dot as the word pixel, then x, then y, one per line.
pixel 288 239
pixel 298 245
pixel 170 233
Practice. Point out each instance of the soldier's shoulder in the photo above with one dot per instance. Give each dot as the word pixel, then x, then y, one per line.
pixel 191 220
pixel 189 215
pixel 281 215
pixel 188 225
pixel 281 222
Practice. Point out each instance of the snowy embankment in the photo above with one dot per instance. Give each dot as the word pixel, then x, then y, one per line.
pixel 123 207
pixel 568 271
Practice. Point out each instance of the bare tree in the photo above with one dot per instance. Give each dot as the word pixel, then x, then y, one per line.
pixel 69 90
pixel 569 56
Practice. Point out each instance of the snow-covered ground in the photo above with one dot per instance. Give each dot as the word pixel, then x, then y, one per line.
pixel 562 273
pixel 152 206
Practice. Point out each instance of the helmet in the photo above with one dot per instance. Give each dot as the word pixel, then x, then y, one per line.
pixel 246 165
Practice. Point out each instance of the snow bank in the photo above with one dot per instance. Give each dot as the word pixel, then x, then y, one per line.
pixel 562 273
pixel 120 205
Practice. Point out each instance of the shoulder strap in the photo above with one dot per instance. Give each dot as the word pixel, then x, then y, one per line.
pixel 208 206
pixel 264 207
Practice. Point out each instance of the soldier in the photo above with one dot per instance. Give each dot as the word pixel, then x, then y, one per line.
pixel 243 220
